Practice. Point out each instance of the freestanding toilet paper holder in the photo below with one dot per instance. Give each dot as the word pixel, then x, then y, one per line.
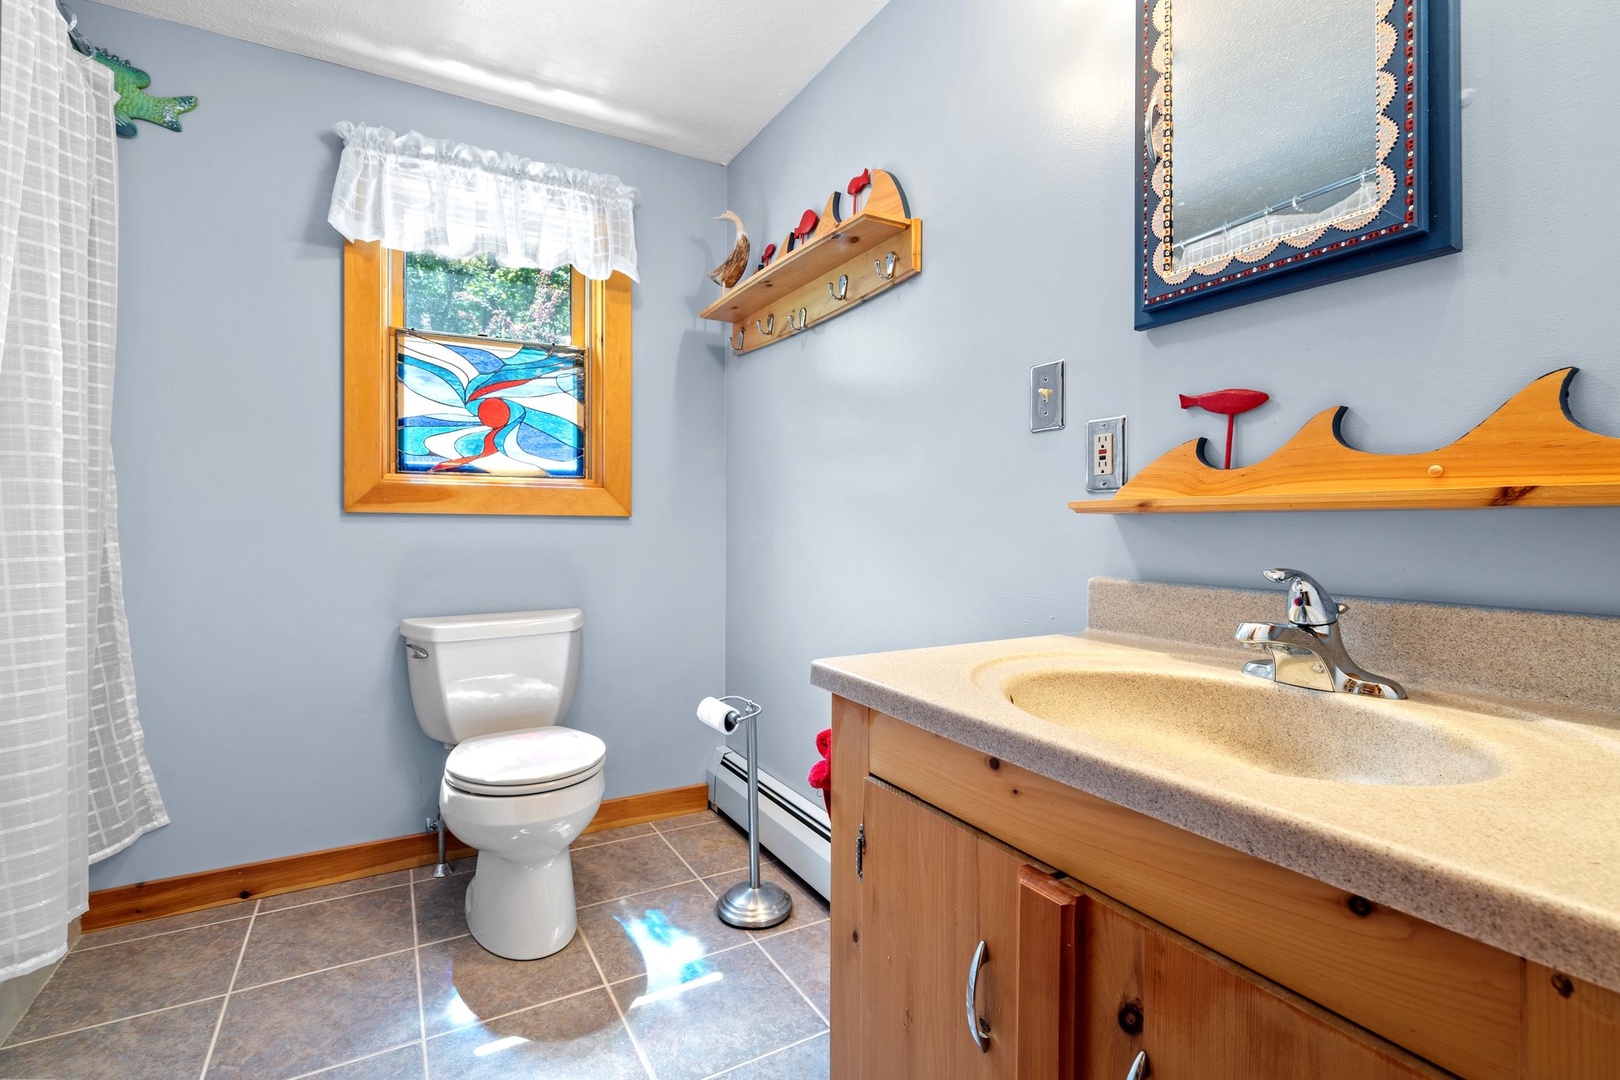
pixel 751 904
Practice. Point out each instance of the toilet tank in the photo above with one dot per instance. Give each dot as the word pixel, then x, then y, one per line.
pixel 482 674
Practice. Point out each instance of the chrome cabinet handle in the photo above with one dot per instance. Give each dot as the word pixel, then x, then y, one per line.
pixel 1139 1067
pixel 978 1026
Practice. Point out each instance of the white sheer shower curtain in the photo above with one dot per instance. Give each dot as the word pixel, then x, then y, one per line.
pixel 74 782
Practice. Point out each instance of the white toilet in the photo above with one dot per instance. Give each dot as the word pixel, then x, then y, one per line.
pixel 516 787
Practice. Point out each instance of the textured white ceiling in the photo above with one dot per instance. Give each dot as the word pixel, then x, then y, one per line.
pixel 699 77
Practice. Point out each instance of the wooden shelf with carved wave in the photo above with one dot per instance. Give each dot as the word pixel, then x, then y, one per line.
pixel 842 263
pixel 1530 452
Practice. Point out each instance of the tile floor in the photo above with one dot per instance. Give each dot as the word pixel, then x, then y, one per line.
pixel 377 980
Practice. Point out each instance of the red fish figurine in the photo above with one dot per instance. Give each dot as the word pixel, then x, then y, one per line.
pixel 1227 403
pixel 858 185
pixel 806 226
pixel 767 255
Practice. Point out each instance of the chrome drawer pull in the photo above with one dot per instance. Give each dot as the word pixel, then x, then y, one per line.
pixel 978 1026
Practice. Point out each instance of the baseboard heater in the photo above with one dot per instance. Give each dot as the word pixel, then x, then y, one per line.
pixel 792 828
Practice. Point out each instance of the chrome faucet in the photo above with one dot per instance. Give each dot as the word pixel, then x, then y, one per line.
pixel 1307 650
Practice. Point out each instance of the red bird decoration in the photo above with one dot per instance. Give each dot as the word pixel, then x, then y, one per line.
pixel 806 226
pixel 1228 403
pixel 767 255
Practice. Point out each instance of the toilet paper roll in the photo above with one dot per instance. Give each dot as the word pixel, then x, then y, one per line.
pixel 718 715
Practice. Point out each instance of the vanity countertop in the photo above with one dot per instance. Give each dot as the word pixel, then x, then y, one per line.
pixel 1526 858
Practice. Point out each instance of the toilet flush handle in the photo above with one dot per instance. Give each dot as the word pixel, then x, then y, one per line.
pixel 416 651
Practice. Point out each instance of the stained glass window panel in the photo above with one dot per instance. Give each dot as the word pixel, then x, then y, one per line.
pixel 501 409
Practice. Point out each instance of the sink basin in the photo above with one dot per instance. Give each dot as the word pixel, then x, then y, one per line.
pixel 1250 722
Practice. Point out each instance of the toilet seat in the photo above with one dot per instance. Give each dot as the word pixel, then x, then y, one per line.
pixel 526 762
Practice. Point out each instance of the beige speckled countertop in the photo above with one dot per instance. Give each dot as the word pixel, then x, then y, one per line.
pixel 1524 855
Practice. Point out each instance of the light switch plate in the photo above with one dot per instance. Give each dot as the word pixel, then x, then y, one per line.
pixel 1046 396
pixel 1105 454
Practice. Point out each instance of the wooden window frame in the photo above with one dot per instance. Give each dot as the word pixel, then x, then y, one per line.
pixel 374 312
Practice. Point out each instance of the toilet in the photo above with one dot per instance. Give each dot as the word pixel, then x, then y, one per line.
pixel 518 787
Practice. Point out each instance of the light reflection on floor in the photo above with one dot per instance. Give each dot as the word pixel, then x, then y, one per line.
pixel 673 958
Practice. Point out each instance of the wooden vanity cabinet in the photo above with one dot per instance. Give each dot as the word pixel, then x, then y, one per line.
pixel 1261 974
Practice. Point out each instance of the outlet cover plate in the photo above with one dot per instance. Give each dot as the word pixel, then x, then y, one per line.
pixel 1095 429
pixel 1046 396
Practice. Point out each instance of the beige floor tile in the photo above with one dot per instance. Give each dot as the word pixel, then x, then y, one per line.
pixel 806 957
pixel 157 1046
pixel 672 925
pixel 462 983
pixel 153 927
pixel 686 821
pixel 722 1011
pixel 609 871
pixel 294 1027
pixel 578 1038
pixel 332 892
pixel 98 985
pixel 808 906
pixel 710 849
pixel 299 940
pixel 441 907
pixel 805 1061
pixel 607 836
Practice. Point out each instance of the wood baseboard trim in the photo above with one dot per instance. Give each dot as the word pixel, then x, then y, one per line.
pixel 124 904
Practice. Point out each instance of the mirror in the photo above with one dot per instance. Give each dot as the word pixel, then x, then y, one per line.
pixel 1288 144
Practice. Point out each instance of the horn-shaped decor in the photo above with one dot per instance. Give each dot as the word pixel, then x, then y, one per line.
pixel 1530 452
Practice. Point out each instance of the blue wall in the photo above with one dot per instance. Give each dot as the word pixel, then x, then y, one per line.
pixel 270 672
pixel 884 490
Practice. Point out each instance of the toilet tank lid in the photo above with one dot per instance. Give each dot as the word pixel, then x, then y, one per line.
pixel 503 624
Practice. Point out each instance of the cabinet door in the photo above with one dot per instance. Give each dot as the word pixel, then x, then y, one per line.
pixel 1201 1017
pixel 931 892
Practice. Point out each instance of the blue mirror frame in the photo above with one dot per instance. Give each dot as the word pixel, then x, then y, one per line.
pixel 1419 218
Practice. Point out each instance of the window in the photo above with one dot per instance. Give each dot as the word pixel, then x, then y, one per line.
pixel 473 388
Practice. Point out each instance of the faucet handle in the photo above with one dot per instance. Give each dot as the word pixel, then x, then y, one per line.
pixel 1308 603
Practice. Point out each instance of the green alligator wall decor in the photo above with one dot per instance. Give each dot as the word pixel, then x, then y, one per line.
pixel 134 103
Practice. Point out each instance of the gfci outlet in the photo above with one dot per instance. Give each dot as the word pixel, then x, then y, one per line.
pixel 1105 447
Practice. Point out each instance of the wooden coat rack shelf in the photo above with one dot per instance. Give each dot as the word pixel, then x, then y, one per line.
pixel 1530 452
pixel 800 289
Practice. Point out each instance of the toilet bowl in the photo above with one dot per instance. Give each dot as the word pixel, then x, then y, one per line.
pixel 517 786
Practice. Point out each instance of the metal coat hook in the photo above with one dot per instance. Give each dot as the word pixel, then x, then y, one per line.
pixel 885 269
pixel 803 319
pixel 842 292
pixel 737 339
pixel 770 325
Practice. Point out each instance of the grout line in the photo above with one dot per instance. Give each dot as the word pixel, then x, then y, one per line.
pixel 108 1023
pixel 351 1061
pixel 482 1020
pixel 678 828
pixel 641 1054
pixel 695 875
pixel 790 981
pixel 322 971
pixel 643 892
pixel 225 1002
pixel 156 934
pixel 330 899
pixel 416 964
pixel 762 1057
pixel 706 956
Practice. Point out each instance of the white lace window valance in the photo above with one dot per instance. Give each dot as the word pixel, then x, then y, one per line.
pixel 413 193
